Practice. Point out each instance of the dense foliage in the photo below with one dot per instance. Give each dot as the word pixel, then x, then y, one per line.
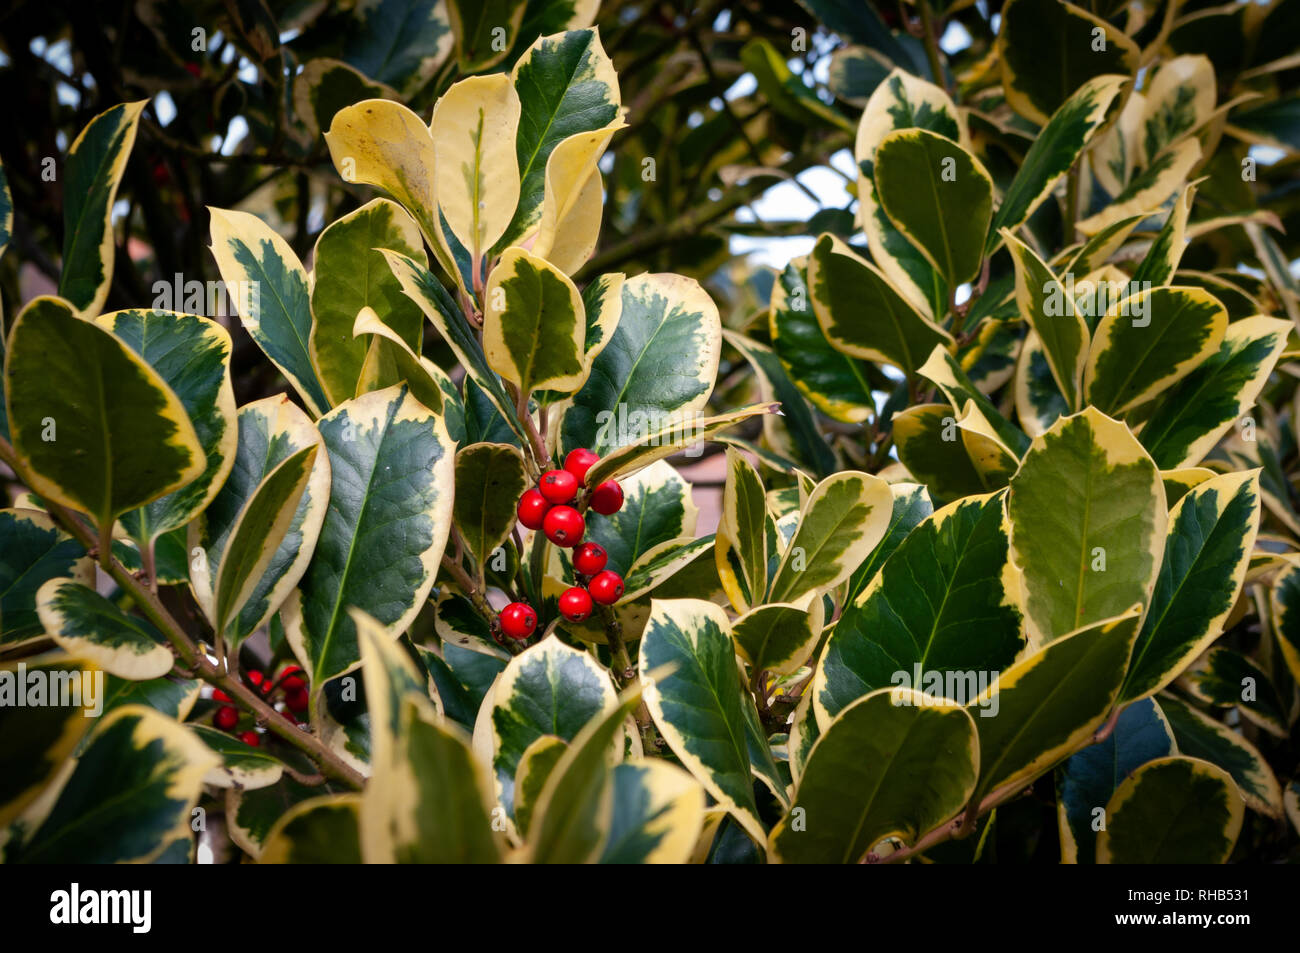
pixel 350 459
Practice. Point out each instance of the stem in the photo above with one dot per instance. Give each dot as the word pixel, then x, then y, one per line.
pixel 455 570
pixel 931 43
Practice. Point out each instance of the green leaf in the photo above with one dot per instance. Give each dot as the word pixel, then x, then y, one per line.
pixel 33 550
pixel 351 273
pixel 863 315
pixel 1161 260
pixel 533 324
pixel 1172 810
pixel 946 371
pixel 6 211
pixel 778 637
pixel 326 86
pixel 240 765
pixel 658 815
pixel 1086 782
pixel 939 196
pixel 892 764
pixel 475 25
pixel 1039 402
pixel 87 625
pixel 1206 553
pixel 91 173
pixel 943 607
pixel 1051 313
pixel 270 286
pixel 1045 705
pixel 112 436
pixel 192 354
pixel 399 42
pixel 701 709
pixel 1150 188
pixel 251 814
pixel 128 796
pixel 783 90
pixel 490 478
pixel 1170 330
pixel 271 431
pixel 912 505
pixel 1203 406
pixel 741 545
pixel 322 830
pixel 392 469
pixel 927 441
pixel 535 766
pixel 1227 678
pixel 1200 736
pixel 657 508
pixel 1088 520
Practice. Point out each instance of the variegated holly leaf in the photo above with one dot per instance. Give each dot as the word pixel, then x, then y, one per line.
pixel 862 314
pixel 87 625
pixel 657 369
pixel 1206 553
pixel 740 549
pixel 490 478
pixel 251 814
pixel 535 766
pixel 485 31
pixel 844 518
pixel 110 407
pixel 390 360
pixel 701 709
pixel 327 85
pixel 1062 332
pixel 658 814
pixel 271 432
pixel 33 550
pixel 1088 521
pixel 534 324
pixel 273 298
pixel 944 605
pixel 894 764
pixel 939 196
pixel 1226 678
pixel 945 370
pixel 1039 402
pixel 127 798
pixel 90 176
pixel 1174 810
pixel 351 274
pixel 778 637
pixel 1161 260
pixel 192 354
pixel 320 830
pixel 1086 782
pixel 1150 188
pixel 929 445
pixel 240 765
pixel 912 505
pixel 574 199
pixel 392 467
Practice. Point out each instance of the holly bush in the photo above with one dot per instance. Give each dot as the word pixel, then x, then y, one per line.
pixel 1007 564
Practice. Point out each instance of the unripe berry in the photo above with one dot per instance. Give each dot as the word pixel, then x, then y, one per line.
pixel 607 498
pixel 226 718
pixel 532 509
pixel 250 738
pixel 590 558
pixel 518 620
pixel 579 461
pixel 558 486
pixel 564 526
pixel 575 604
pixel 606 588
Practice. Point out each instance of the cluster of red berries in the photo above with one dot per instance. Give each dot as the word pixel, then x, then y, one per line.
pixel 547 507
pixel 291 682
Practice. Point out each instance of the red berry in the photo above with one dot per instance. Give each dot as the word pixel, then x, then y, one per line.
pixel 250 738
pixel 532 509
pixel 220 696
pixel 558 486
pixel 579 461
pixel 296 699
pixel 193 69
pixel 606 588
pixel 225 718
pixel 289 717
pixel 291 679
pixel 607 498
pixel 590 558
pixel 564 526
pixel 259 680
pixel 518 620
pixel 575 604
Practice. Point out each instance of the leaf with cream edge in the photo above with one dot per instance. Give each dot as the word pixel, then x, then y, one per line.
pixel 779 637
pixel 533 324
pixel 87 625
pixel 1150 188
pixel 602 301
pixel 1226 678
pixel 389 360
pixel 1039 402
pixel 535 766
pixel 1062 333
pixel 944 369
pixel 1086 496
pixel 192 354
pixel 549 689
pixel 842 521
pixel 128 795
pixel 33 550
pixel 241 765
pixel 912 505
pixel 902 101
pixel 1148 342
pixel 485 30
pixel 1177 100
pixel 90 175
pixel 894 764
pixel 660 363
pixel 862 314
pixel 1042 708
pixel 1088 779
pixel 1161 260
pixel 946 601
pixel 1284 599
pixel 111 408
pixel 566 85
pixel 658 814
pixel 939 196
pixel 272 297
pixel 1174 810
pixel 740 548
pixel 573 199
pixel 271 431
pixel 490 479
pixel 351 274
pixel 392 467
pixel 1207 550
pixel 321 830
pixel 1197 411
pixel 927 444
pixel 474 127
pixel 700 707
